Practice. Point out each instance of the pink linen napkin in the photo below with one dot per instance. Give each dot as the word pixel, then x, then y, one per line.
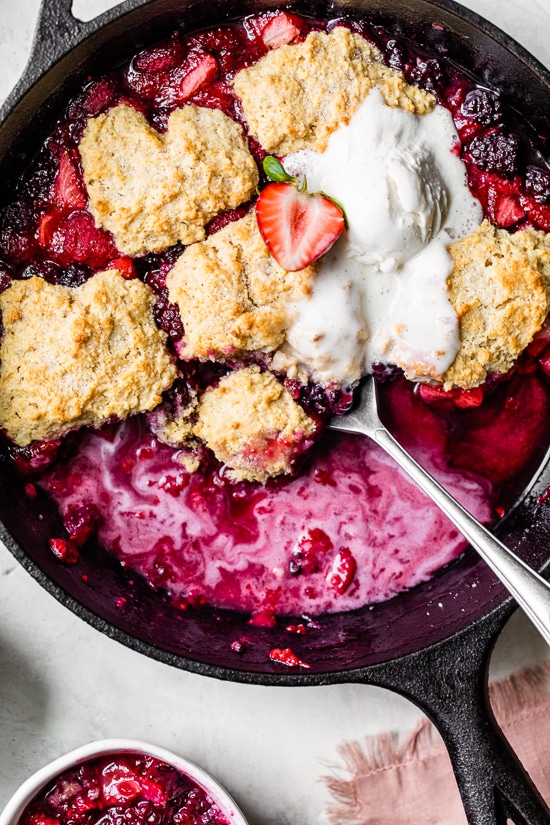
pixel 392 784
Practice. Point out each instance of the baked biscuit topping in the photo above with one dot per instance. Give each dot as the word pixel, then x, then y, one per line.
pixel 296 96
pixel 232 294
pixel 152 190
pixel 252 424
pixel 71 357
pixel 500 290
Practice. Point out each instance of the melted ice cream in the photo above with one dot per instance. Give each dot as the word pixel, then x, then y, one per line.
pixel 381 293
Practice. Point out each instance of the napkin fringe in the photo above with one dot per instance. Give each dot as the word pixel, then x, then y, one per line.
pixel 513 699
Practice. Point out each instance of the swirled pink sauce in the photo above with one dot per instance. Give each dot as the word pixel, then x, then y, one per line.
pixel 350 530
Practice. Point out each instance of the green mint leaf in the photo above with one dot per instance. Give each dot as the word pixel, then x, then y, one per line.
pixel 275 171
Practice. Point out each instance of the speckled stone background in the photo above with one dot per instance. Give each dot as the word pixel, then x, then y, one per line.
pixel 63 684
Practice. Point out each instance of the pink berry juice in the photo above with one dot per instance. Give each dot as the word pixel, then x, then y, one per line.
pixel 349 528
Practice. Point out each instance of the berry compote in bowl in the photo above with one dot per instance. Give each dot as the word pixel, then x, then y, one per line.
pixel 115 781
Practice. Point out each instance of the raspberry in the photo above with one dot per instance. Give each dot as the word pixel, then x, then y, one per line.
pixel 75 238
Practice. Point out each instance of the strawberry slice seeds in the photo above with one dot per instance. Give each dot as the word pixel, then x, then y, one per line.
pixel 297 227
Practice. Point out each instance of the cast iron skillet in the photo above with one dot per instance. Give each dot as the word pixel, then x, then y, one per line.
pixel 432 644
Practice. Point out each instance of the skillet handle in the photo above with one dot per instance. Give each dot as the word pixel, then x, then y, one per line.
pixel 57 31
pixel 449 682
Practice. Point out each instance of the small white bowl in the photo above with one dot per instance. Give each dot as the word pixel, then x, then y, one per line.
pixel 32 786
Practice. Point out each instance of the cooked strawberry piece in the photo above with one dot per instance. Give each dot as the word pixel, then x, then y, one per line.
pixel 432 394
pixel 200 69
pixel 280 30
pixel 306 554
pixel 161 58
pixel 125 266
pixel 81 522
pixel 177 85
pixel 468 398
pixel 538 213
pixel 65 550
pixel 68 190
pixel 119 783
pixel 507 211
pixel 75 237
pixel 46 227
pixel 286 657
pixel 297 228
pixel 343 570
pixel 95 99
pixel 264 617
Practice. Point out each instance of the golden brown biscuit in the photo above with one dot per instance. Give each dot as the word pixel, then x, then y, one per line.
pixel 296 96
pixel 152 190
pixel 500 289
pixel 232 294
pixel 252 424
pixel 71 357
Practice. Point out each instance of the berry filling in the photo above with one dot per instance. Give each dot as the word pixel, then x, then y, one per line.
pixel 346 528
pixel 123 788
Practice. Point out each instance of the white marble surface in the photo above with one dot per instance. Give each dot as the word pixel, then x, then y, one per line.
pixel 63 684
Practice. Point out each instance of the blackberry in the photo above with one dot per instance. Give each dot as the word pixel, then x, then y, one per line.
pixel 397 54
pixel 537 184
pixel 483 106
pixel 75 275
pixel 429 74
pixel 496 152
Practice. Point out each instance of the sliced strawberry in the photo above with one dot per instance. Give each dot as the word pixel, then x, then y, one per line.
pixel 160 58
pixel 343 570
pixel 199 77
pixel 286 657
pixel 46 228
pixel 507 211
pixel 65 550
pixel 433 394
pixel 125 266
pixel 468 398
pixel 280 30
pixel 297 228
pixel 68 190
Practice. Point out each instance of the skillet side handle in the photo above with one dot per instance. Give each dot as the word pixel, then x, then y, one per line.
pixel 57 32
pixel 450 684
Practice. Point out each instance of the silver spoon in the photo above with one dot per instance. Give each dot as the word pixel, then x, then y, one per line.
pixel 529 589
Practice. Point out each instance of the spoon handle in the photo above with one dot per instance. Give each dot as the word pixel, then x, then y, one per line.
pixel 529 589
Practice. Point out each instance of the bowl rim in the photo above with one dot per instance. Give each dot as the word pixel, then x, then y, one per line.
pixel 103 747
